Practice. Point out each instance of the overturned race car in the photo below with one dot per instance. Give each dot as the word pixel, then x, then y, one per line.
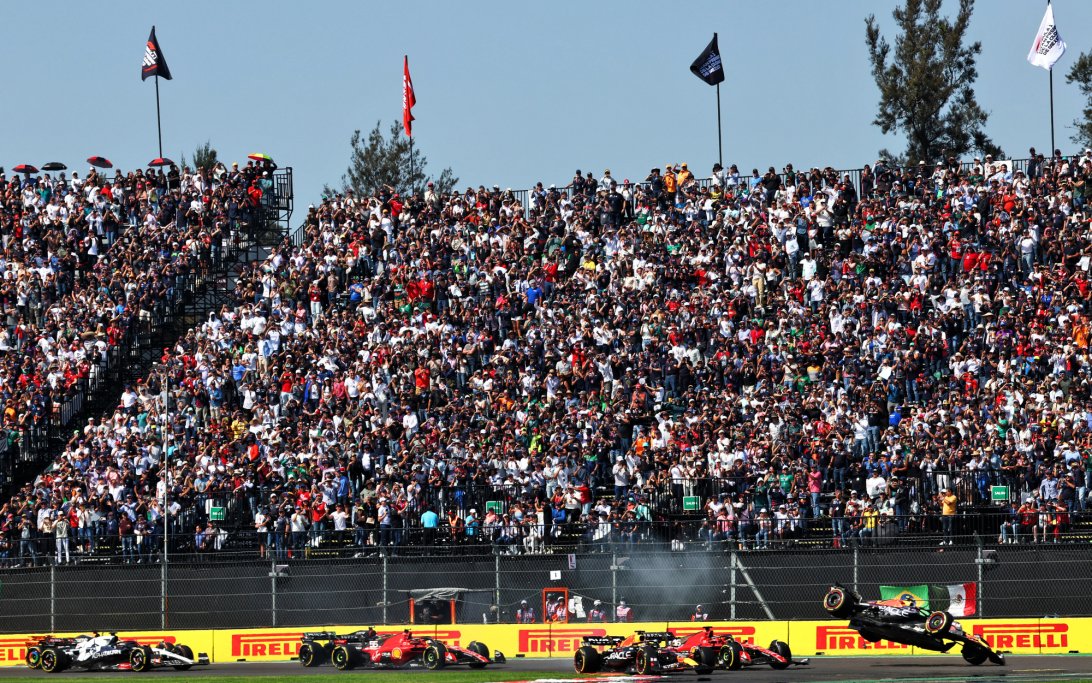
pixel 643 653
pixel 96 652
pixel 733 654
pixel 369 649
pixel 902 621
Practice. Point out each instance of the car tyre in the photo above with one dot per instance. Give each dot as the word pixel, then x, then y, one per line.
pixel 706 658
pixel 587 660
pixel 839 603
pixel 646 662
pixel 731 656
pixel 34 657
pixel 938 623
pixel 140 658
pixel 781 648
pixel 183 651
pixel 479 648
pixel 974 654
pixel 435 656
pixel 343 658
pixel 53 660
pixel 310 654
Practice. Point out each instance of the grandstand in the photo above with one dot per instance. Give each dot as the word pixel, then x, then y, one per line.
pixel 744 361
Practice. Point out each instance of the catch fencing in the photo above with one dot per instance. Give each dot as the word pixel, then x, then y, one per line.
pixel 238 592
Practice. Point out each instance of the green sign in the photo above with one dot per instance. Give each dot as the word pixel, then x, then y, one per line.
pixel 999 494
pixel 494 506
pixel 690 503
pixel 216 514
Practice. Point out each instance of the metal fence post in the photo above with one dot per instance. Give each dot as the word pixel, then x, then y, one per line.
pixel 856 566
pixel 497 584
pixel 273 588
pixel 980 563
pixel 385 590
pixel 614 581
pixel 52 597
pixel 732 589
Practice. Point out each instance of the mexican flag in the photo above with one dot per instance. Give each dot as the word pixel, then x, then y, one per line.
pixel 962 599
pixel 919 594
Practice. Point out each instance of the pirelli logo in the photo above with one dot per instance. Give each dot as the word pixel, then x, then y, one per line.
pixel 1026 634
pixel 248 645
pixel 843 638
pixel 13 649
pixel 744 634
pixel 533 640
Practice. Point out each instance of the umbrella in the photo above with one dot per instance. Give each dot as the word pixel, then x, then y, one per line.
pixel 160 161
pixel 54 166
pixel 101 162
pixel 258 156
pixel 25 168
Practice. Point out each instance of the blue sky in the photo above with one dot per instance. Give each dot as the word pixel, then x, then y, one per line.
pixel 508 92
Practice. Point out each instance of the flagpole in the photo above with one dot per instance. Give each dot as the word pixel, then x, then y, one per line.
pixel 158 124
pixel 720 137
pixel 1051 71
pixel 410 183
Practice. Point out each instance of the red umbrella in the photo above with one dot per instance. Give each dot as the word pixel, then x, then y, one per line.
pixel 160 161
pixel 101 162
pixel 25 168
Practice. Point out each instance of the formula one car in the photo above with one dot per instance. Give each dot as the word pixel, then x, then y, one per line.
pixel 644 653
pixel 733 655
pixel 902 621
pixel 390 650
pixel 107 653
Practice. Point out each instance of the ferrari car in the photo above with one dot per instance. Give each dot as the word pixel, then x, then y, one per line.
pixel 643 653
pixel 107 653
pixel 390 650
pixel 901 621
pixel 733 654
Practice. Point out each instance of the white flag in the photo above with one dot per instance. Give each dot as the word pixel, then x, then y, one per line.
pixel 962 599
pixel 1048 47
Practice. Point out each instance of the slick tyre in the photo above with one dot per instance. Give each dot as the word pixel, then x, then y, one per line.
pixel 53 660
pixel 706 658
pixel 434 656
pixel 343 658
pixel 311 654
pixel 838 603
pixel 646 662
pixel 781 648
pixel 587 660
pixel 183 651
pixel 478 648
pixel 938 623
pixel 140 658
pixel 974 655
pixel 731 656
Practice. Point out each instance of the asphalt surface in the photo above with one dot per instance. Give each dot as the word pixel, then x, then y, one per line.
pixel 1020 669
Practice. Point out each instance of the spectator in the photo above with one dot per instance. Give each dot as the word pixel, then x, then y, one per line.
pixel 623 613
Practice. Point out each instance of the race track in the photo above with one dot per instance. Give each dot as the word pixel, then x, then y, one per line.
pixel 842 669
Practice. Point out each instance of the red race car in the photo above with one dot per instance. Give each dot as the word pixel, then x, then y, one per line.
pixel 390 650
pixel 733 655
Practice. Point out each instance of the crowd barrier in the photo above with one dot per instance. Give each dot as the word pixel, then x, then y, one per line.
pixel 806 638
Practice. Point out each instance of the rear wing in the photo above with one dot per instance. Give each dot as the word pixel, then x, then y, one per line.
pixel 655 636
pixel 610 641
pixel 318 635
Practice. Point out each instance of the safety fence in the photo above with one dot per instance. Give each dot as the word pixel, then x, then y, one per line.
pixel 1011 581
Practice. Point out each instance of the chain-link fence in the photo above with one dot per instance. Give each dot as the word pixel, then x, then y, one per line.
pixel 235 592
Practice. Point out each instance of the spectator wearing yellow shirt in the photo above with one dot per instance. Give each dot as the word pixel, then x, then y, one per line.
pixel 947 501
pixel 870 519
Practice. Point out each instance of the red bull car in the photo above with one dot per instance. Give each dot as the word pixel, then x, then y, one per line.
pixel 901 621
pixel 390 650
pixel 733 655
pixel 643 653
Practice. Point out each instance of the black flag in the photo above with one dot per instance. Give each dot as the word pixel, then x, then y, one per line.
pixel 707 66
pixel 154 62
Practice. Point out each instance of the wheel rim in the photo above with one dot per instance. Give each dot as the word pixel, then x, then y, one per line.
pixel 340 657
pixel 306 654
pixel 431 657
pixel 49 660
pixel 727 655
pixel 936 622
pixel 33 656
pixel 581 662
pixel 835 599
pixel 138 659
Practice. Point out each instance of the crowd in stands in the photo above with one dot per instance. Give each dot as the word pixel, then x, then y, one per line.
pixel 86 263
pixel 785 347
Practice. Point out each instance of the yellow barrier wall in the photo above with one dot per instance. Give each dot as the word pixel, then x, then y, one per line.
pixel 806 638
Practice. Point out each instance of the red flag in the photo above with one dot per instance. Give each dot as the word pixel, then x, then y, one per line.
pixel 408 100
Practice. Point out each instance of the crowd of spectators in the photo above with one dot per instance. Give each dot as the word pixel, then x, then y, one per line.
pixel 87 263
pixel 784 347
